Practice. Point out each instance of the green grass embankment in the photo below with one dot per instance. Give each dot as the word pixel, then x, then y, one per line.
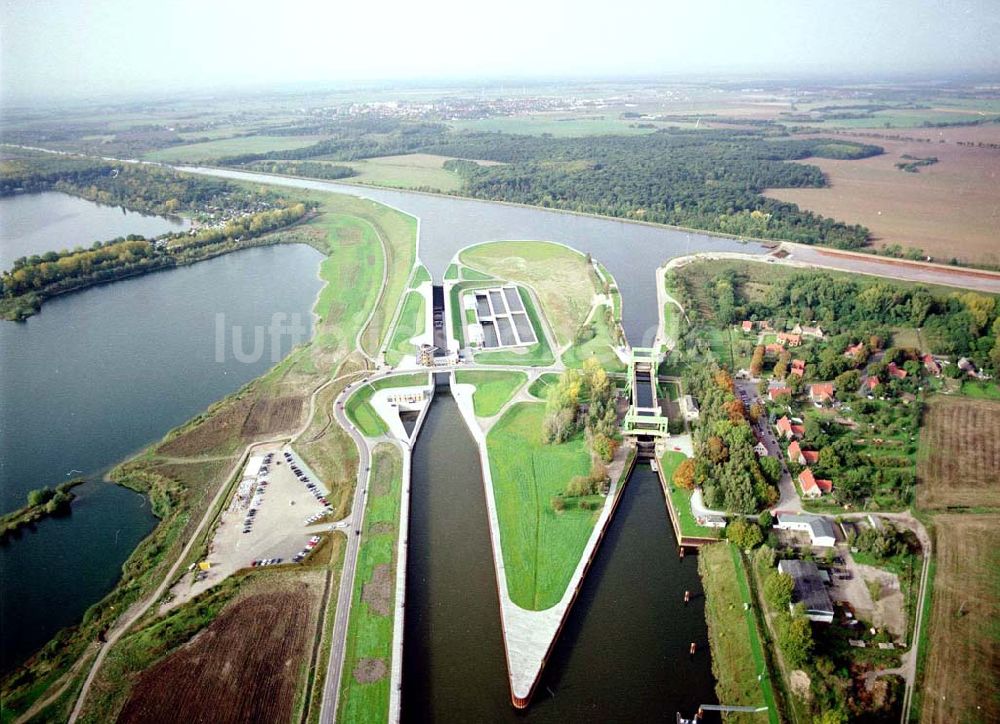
pixel 541 547
pixel 493 389
pixel 364 693
pixel 737 653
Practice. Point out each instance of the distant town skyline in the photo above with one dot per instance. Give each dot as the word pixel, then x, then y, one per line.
pixel 62 49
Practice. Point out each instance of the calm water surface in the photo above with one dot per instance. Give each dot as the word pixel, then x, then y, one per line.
pixel 623 654
pixel 96 376
pixel 53 221
pixel 101 373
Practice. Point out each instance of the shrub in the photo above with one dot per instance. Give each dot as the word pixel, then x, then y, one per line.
pixel 778 590
pixel 558 504
pixel 744 534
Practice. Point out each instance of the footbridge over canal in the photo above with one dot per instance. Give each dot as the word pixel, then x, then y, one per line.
pixel 644 418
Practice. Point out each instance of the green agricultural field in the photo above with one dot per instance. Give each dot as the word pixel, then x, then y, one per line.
pixel 210 150
pixel 737 653
pixel 411 323
pixel 681 499
pixel 981 390
pixel 410 171
pixel 493 389
pixel 364 693
pixel 541 548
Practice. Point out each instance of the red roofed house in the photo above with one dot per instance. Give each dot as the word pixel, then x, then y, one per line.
pixel 798 367
pixel 931 365
pixel 774 349
pixel 898 372
pixel 803 457
pixel 873 382
pixel 789 430
pixel 747 326
pixel 792 340
pixel 775 392
pixel 811 487
pixel 821 392
pixel 855 350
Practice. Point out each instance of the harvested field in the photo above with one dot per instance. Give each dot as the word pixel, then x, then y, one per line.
pixel 244 667
pixel 960 453
pixel 963 662
pixel 217 430
pixel 273 415
pixel 950 209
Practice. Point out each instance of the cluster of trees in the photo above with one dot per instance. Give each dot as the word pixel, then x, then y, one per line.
pixel 57 272
pixel 313 169
pixel 41 503
pixel 953 323
pixel 704 179
pixel 881 543
pixel 731 475
pixel 584 399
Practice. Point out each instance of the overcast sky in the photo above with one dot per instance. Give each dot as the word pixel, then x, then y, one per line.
pixel 60 48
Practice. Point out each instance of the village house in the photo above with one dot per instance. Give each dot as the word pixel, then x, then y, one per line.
pixel 747 326
pixel 774 349
pixel 821 392
pixel 788 429
pixel 789 340
pixel 855 350
pixel 931 364
pixel 872 382
pixel 898 372
pixel 773 393
pixel 808 331
pixel 798 367
pixel 809 590
pixel 813 487
pixel 967 367
pixel 760 448
pixel 689 407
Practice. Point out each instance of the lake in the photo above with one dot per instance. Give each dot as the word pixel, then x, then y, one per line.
pixel 96 376
pixel 53 221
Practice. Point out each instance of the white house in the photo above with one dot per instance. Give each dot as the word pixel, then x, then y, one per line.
pixel 820 530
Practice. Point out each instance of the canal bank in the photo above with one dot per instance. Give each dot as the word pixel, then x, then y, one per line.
pixel 623 650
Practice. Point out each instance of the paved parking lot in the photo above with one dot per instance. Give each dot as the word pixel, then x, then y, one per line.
pixel 277 530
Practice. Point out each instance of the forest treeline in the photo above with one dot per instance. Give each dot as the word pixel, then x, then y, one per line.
pixel 705 179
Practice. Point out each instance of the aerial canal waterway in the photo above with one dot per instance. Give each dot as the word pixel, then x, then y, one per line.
pixel 631 252
pixel 100 373
pixel 52 221
pixel 96 376
pixel 624 652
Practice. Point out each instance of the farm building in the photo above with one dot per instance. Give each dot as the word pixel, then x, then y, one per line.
pixel 820 529
pixel 789 340
pixel 808 331
pixel 788 429
pixel 809 589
